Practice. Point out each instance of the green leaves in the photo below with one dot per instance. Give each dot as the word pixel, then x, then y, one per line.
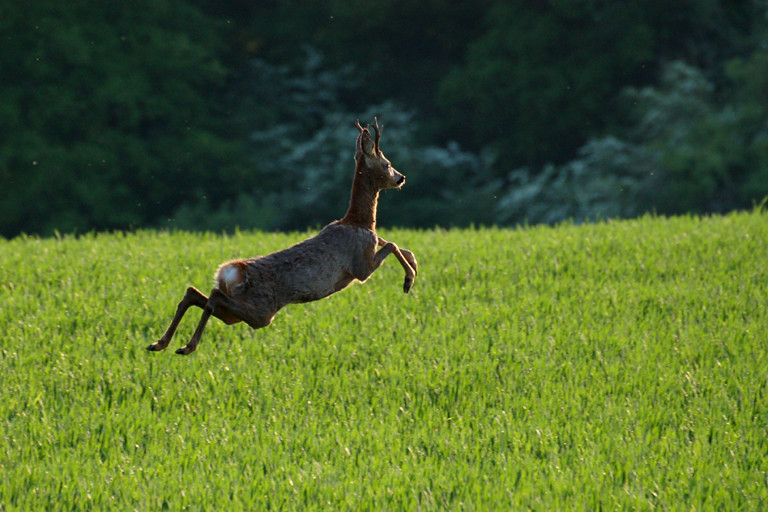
pixel 537 71
pixel 108 108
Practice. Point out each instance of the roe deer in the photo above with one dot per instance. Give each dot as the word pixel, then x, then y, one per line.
pixel 253 290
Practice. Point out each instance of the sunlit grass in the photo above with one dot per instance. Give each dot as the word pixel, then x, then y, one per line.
pixel 620 364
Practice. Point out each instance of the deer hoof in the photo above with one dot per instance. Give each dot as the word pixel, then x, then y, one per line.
pixel 156 347
pixel 407 284
pixel 184 351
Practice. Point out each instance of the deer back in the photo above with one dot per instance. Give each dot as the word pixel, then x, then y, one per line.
pixel 314 268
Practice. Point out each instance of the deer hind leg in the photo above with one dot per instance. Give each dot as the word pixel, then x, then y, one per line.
pixel 193 297
pixel 230 311
pixel 405 257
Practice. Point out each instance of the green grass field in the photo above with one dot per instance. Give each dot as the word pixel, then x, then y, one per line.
pixel 613 365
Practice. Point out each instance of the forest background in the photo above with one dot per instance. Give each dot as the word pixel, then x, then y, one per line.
pixel 210 115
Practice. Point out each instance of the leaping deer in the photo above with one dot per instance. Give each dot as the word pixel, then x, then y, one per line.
pixel 253 290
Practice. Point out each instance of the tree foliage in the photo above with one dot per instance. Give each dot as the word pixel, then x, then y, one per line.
pixel 206 115
pixel 546 75
pixel 538 70
pixel 686 150
pixel 304 159
pixel 108 114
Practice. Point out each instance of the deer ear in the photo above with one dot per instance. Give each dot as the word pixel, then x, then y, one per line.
pixel 365 144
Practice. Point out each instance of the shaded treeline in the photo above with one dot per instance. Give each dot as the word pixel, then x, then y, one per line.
pixel 209 115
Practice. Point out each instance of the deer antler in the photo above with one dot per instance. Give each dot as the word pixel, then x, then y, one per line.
pixel 378 135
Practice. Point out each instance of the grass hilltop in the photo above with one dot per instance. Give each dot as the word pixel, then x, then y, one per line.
pixel 618 364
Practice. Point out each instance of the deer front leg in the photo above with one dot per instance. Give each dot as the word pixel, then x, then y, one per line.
pixel 411 259
pixel 405 257
pixel 193 297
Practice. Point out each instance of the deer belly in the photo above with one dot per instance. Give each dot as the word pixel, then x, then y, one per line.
pixel 319 288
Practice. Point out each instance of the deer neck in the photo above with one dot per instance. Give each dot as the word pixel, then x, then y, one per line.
pixel 363 202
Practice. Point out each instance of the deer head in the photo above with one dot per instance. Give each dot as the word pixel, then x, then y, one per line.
pixel 372 162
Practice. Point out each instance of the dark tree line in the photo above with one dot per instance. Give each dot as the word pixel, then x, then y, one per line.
pixel 210 115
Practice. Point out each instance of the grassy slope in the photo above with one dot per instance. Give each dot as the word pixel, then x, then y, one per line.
pixel 617 364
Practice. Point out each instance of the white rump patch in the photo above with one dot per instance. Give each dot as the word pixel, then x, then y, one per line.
pixel 228 276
